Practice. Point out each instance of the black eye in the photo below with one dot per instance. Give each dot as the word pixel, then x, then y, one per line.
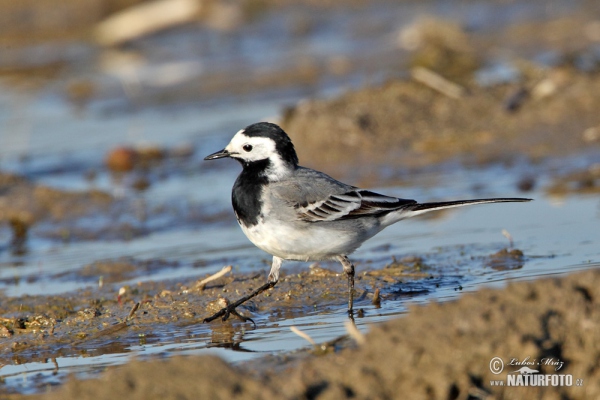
pixel 247 148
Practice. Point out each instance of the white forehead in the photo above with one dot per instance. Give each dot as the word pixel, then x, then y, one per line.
pixel 239 139
pixel 264 144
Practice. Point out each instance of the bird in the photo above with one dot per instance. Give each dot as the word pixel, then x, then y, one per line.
pixel 298 213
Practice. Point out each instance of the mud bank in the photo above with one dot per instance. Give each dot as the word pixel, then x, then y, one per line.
pixel 23 204
pixel 437 351
pixel 501 98
pixel 23 200
pixel 406 123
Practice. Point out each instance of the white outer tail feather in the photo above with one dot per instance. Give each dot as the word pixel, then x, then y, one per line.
pixel 422 208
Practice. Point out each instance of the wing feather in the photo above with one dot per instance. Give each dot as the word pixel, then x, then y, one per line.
pixel 352 204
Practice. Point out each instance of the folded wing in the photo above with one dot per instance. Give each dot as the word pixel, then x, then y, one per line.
pixel 352 204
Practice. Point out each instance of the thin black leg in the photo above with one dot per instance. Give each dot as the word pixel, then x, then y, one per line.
pixel 350 291
pixel 231 308
pixel 349 270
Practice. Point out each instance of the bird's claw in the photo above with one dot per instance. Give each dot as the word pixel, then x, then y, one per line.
pixel 225 312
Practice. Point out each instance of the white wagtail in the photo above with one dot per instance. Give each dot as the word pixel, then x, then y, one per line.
pixel 297 213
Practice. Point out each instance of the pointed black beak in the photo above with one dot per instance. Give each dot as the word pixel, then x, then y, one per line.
pixel 219 154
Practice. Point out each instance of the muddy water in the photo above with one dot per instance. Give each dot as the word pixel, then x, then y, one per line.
pixel 181 227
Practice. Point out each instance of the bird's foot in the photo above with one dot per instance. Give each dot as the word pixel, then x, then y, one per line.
pixel 225 312
pixel 351 315
pixel 230 308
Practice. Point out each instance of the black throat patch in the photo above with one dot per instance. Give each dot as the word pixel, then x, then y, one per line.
pixel 247 190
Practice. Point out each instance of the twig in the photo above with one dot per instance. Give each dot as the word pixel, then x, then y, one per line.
pixel 133 310
pixel 120 326
pixel 200 285
pixel 355 333
pixel 376 298
pixel 146 18
pixel 303 335
pixel 437 82
pixel 55 370
pixel 509 237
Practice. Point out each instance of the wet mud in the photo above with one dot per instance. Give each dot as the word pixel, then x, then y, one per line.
pixel 111 317
pixel 32 323
pixel 437 351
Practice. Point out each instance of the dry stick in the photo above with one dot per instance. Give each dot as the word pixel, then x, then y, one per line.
pixel 200 285
pixel 509 237
pixel 133 310
pixel 55 370
pixel 143 19
pixel 355 333
pixel 303 335
pixel 437 82
pixel 121 325
pixel 376 298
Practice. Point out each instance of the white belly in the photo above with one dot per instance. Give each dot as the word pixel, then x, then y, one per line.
pixel 310 242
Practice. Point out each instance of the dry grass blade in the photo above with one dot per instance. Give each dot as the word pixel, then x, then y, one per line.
pixel 509 237
pixel 303 335
pixel 376 298
pixel 355 333
pixel 133 310
pixel 145 18
pixel 437 82
pixel 200 285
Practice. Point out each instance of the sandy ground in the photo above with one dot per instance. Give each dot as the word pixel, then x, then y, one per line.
pixel 436 351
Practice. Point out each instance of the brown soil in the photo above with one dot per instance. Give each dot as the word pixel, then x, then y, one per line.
pixel 29 21
pixel 20 199
pixel 437 351
pixel 547 111
pixel 24 203
pixel 408 124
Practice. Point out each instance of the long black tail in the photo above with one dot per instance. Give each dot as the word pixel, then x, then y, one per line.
pixel 425 207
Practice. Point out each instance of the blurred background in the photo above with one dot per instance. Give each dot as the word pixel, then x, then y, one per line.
pixel 168 72
pixel 107 108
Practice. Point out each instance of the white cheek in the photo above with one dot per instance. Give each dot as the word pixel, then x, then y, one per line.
pixel 259 153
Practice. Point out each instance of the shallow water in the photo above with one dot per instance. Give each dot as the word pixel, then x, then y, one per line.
pixel 46 139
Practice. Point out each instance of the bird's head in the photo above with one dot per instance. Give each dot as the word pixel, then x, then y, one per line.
pixel 263 144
